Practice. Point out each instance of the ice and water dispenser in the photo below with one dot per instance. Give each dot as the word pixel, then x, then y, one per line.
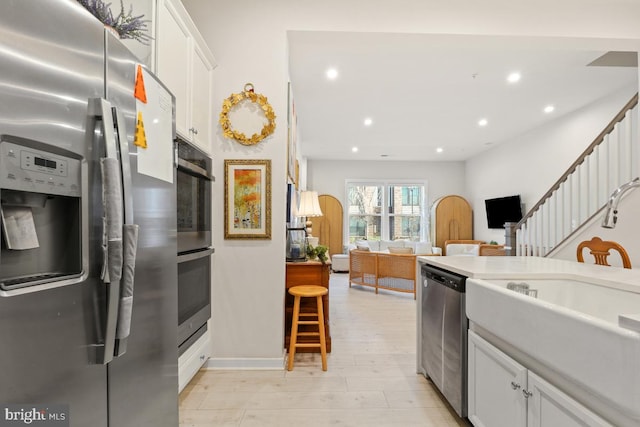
pixel 41 214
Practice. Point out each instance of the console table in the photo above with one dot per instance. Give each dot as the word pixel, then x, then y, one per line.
pixel 306 273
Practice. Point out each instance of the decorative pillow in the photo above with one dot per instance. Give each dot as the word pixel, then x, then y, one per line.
pixel 386 244
pixel 362 243
pixel 374 245
pixel 424 248
pixel 404 251
pixel 363 248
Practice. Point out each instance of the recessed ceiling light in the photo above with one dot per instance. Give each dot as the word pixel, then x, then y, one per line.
pixel 439 150
pixel 332 73
pixel 513 77
pixel 368 121
pixel 483 122
pixel 354 149
pixel 549 109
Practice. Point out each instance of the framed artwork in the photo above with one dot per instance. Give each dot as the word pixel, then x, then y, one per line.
pixel 247 199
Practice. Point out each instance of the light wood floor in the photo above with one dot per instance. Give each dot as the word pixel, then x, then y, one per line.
pixel 371 380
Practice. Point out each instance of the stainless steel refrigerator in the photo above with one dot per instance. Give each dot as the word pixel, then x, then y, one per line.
pixel 88 203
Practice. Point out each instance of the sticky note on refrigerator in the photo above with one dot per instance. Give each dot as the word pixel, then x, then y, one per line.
pixel 140 138
pixel 139 91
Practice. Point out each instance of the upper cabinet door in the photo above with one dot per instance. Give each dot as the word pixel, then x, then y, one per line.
pixel 173 60
pixel 201 117
pixel 185 64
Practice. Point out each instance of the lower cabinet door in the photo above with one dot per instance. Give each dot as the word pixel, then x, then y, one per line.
pixel 550 407
pixel 496 384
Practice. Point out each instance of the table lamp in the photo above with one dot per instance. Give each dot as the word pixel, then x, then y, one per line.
pixel 309 207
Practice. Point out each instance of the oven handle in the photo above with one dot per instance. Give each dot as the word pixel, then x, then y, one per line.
pixel 195 255
pixel 194 170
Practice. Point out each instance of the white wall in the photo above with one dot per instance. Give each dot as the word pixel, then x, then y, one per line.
pixel 146 8
pixel 531 163
pixel 248 39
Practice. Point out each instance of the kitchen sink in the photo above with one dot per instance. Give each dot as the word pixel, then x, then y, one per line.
pixel 592 299
pixel 572 328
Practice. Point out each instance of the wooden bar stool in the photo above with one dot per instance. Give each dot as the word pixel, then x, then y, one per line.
pixel 307 291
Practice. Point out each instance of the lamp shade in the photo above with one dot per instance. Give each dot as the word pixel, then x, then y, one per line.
pixel 309 204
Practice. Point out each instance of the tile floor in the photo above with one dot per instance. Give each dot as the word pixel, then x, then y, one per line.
pixel 371 380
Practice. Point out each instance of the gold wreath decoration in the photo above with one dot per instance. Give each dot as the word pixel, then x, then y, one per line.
pixel 236 98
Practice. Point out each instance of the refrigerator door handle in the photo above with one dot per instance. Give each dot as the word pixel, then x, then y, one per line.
pixel 123 146
pixel 112 232
pixel 101 109
pixel 130 241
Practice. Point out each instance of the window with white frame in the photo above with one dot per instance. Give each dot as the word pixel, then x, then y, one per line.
pixel 386 210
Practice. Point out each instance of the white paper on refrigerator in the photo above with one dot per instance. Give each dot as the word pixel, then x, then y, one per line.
pixel 156 159
pixel 19 228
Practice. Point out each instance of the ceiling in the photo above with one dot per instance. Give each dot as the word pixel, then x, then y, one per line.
pixel 425 92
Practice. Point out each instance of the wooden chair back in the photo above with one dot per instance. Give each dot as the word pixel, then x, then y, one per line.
pixel 601 250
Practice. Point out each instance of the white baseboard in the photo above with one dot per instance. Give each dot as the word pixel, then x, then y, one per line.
pixel 248 363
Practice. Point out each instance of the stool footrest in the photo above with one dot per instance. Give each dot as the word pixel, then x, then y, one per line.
pixel 308 345
pixel 307 322
pixel 308 334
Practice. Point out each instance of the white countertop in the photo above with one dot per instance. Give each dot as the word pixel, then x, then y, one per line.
pixel 509 267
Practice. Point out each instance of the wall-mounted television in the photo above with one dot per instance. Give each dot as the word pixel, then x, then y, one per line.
pixel 503 209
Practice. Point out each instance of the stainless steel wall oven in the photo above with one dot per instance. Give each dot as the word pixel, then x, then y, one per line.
pixel 194 177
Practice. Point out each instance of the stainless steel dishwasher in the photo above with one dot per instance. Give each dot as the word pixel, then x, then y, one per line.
pixel 444 334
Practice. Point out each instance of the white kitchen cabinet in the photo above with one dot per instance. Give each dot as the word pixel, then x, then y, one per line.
pixel 192 360
pixel 503 392
pixel 201 105
pixel 495 386
pixel 185 64
pixel 548 406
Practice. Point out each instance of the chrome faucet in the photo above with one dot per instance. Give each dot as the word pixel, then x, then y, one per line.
pixel 611 214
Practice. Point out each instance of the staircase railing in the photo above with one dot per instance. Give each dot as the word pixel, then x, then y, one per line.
pixel 582 191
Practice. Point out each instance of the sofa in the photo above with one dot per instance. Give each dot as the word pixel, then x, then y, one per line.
pixel 472 248
pixel 387 265
pixel 340 262
pixel 388 246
